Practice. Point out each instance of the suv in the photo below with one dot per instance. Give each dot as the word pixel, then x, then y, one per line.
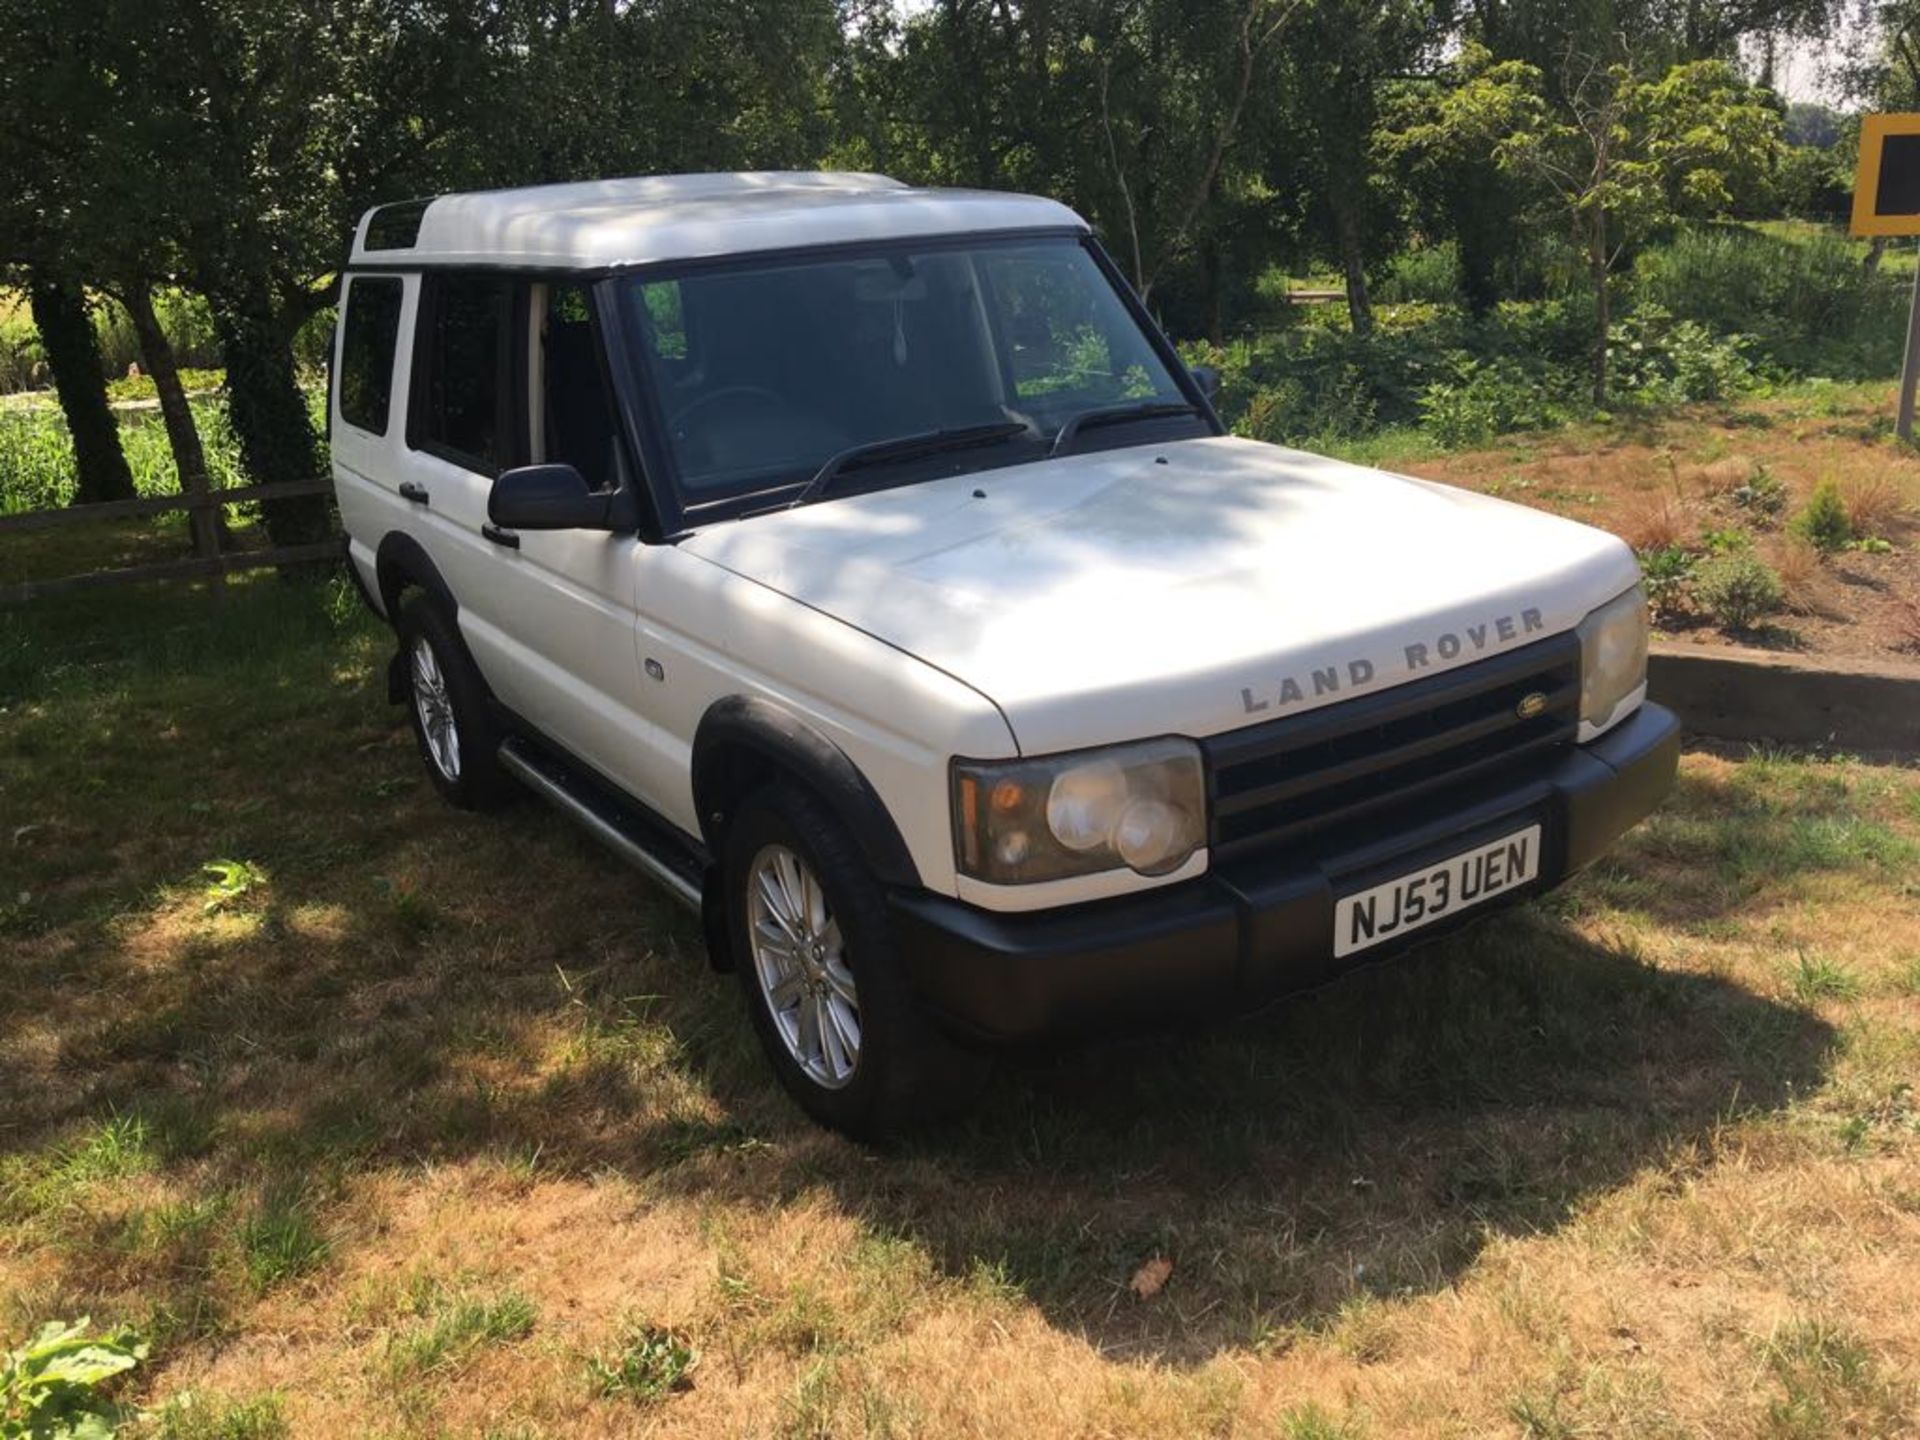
pixel 863 564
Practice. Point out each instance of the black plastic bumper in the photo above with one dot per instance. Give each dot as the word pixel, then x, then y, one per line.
pixel 1241 936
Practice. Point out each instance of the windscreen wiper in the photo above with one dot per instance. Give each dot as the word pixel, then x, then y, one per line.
pixel 905 447
pixel 1116 414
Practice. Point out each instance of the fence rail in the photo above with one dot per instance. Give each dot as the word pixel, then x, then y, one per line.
pixel 209 560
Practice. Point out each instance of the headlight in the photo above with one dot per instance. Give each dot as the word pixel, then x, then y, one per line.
pixel 1613 658
pixel 1019 821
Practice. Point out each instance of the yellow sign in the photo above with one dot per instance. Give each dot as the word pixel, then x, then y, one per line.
pixel 1886 188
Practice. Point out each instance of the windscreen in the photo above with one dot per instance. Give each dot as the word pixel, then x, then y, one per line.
pixel 764 372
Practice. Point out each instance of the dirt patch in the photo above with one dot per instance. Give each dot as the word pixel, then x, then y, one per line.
pixel 1725 481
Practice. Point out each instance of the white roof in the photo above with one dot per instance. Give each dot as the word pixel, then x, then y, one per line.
pixel 683 217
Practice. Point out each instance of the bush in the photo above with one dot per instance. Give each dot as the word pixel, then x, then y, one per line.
pixel 1430 273
pixel 1763 495
pixel 1738 589
pixel 1667 574
pixel 1824 520
pixel 1659 360
pixel 1808 304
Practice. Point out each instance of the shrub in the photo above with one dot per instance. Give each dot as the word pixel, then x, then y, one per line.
pixel 1668 575
pixel 1430 273
pixel 1824 520
pixel 1659 360
pixel 1656 522
pixel 1763 495
pixel 1736 590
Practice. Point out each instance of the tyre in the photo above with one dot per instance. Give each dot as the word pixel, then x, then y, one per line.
pixel 447 705
pixel 824 988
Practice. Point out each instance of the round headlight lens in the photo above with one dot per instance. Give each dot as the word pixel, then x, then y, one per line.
pixel 1153 837
pixel 1085 804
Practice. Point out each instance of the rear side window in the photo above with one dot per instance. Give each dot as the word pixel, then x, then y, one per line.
pixel 372 327
pixel 461 414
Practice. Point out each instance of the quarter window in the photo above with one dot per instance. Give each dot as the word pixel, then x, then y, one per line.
pixel 371 327
pixel 466 354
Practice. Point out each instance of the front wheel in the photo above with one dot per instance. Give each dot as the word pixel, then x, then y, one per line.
pixel 823 985
pixel 447 705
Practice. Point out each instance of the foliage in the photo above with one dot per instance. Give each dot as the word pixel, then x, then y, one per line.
pixel 650 1365
pixel 1808 303
pixel 1667 574
pixel 52 1387
pixel 1823 520
pixel 1737 589
pixel 1762 494
pixel 1660 360
pixel 36 454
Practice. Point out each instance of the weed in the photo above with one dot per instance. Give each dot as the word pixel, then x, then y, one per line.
pixel 1730 540
pixel 1737 590
pixel 280 1242
pixel 1539 1417
pixel 228 880
pixel 650 1365
pixel 1668 576
pixel 1823 521
pixel 193 1416
pixel 1314 1422
pixel 1814 978
pixel 1763 495
pixel 54 1385
pixel 456 1327
pixel 1829 1383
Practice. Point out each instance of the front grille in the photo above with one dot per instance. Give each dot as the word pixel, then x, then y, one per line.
pixel 1288 781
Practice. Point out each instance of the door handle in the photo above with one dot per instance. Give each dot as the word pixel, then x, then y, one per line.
pixel 500 537
pixel 413 492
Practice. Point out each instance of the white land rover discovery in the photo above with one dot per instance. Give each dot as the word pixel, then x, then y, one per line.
pixel 862 564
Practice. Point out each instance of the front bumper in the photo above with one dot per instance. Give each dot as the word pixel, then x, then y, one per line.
pixel 1240 936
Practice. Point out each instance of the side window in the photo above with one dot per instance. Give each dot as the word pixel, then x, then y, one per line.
pixel 465 356
pixel 577 420
pixel 370 330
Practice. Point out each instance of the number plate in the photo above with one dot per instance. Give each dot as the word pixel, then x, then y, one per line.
pixel 1374 916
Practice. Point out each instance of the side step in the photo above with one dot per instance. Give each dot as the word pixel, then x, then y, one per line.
pixel 648 845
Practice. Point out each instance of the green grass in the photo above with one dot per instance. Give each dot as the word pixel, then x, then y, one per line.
pixel 453 1327
pixel 647 1365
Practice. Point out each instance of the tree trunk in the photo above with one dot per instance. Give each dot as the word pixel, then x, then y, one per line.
pixel 1870 263
pixel 73 354
pixel 183 436
pixel 1602 304
pixel 269 413
pixel 1353 261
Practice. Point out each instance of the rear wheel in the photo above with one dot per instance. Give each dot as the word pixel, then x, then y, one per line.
pixel 447 705
pixel 824 987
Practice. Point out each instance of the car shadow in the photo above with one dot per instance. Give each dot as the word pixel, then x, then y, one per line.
pixel 1363 1141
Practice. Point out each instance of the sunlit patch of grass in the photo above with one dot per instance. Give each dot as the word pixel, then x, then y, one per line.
pixel 194 1416
pixel 452 1326
pixel 1829 1382
pixel 1814 979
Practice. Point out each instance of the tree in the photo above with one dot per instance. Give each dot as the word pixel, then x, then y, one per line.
pixel 41 229
pixel 1624 156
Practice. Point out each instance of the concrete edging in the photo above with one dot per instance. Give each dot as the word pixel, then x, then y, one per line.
pixel 1722 692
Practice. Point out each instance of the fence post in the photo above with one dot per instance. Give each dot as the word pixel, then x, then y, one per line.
pixel 203 516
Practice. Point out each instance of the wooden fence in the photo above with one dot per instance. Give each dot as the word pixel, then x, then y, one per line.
pixel 208 558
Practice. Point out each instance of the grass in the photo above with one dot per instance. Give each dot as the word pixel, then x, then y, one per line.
pixel 407 1122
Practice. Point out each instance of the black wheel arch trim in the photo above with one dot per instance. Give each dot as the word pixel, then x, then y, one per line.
pixel 787 744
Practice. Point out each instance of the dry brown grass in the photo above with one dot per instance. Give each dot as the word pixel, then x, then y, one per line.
pixel 1802 571
pixel 1657 521
pixel 1877 504
pixel 439 1106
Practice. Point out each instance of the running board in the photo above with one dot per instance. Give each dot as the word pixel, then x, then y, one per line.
pixel 614 825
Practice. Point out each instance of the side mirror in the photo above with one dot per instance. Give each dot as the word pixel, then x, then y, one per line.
pixel 547 497
pixel 1208 379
